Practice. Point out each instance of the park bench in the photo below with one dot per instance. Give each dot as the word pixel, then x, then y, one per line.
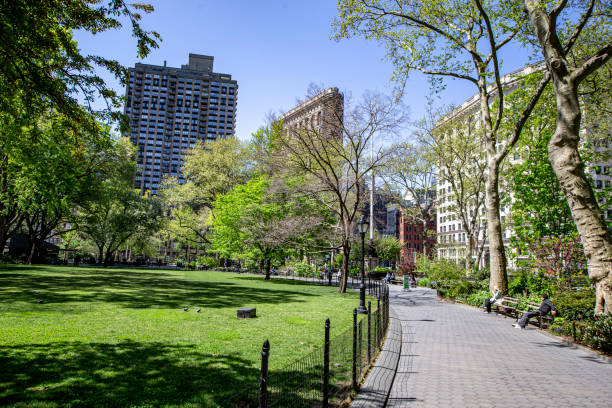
pixel 507 306
pixel 539 320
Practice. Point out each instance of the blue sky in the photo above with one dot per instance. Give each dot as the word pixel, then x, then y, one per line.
pixel 273 48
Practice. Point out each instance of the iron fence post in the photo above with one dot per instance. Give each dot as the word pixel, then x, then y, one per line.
pixel 326 366
pixel 369 332
pixel 263 380
pixel 355 349
pixel 359 345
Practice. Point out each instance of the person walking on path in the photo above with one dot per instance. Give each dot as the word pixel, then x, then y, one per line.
pixel 544 309
pixel 496 299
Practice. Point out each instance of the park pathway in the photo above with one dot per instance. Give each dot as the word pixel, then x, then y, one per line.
pixel 457 356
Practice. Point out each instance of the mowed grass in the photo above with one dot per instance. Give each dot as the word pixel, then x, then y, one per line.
pixel 120 337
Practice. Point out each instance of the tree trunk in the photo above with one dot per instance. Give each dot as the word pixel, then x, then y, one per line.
pixel 569 169
pixel 563 152
pixel 108 257
pixel 100 254
pixel 424 237
pixel 498 262
pixel 469 263
pixel 498 276
pixel 346 250
pixel 32 250
pixel 267 269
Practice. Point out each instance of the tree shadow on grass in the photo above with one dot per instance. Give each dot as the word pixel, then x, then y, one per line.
pixel 115 375
pixel 133 289
pixel 131 373
pixel 282 281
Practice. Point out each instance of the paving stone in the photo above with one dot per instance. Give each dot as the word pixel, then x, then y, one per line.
pixel 456 356
pixel 376 388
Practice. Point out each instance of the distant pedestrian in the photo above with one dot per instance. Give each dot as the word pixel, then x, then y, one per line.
pixel 545 308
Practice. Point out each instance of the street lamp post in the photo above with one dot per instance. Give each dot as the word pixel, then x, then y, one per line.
pixel 362 225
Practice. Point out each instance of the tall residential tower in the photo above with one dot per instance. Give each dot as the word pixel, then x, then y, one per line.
pixel 170 109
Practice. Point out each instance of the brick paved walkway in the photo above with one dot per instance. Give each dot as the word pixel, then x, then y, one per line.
pixel 457 356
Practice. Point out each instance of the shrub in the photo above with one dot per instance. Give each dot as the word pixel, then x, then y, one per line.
pixel 482 274
pixel 439 270
pixel 443 292
pixel 9 259
pixel 303 269
pixel 207 261
pixel 596 333
pixel 379 272
pixel 483 284
pixel 478 298
pixel 530 283
pixel 463 287
pixel 575 305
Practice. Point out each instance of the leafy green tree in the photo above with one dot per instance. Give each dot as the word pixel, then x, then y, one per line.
pixel 260 221
pixel 210 169
pixel 43 76
pixel 388 248
pixel 41 62
pixel 116 212
pixel 459 40
pixel 539 208
pixel 560 29
pixel 53 177
pixel 214 168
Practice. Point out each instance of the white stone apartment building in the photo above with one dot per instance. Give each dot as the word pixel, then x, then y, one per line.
pixel 452 237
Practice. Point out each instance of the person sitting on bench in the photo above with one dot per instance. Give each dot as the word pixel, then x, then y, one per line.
pixel 544 309
pixel 496 299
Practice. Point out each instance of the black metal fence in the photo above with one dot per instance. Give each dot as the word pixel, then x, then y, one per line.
pixel 327 375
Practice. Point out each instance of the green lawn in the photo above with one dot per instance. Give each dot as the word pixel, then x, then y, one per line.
pixel 120 337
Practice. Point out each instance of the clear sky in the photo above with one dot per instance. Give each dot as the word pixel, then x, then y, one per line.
pixel 273 48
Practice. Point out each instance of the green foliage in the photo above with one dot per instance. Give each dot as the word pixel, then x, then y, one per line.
pixel 115 212
pixel 595 333
pixel 337 261
pixel 262 220
pixel 598 333
pixel 388 248
pixel 207 262
pixel 439 269
pixel 41 62
pixel 575 305
pixel 478 298
pixel 481 274
pixel 463 287
pixel 303 269
pixel 527 282
pixel 523 300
